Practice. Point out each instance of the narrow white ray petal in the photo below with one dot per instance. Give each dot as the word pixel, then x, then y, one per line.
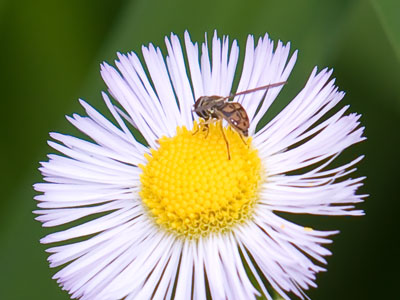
pixel 335 173
pixel 231 69
pixel 103 162
pixel 278 265
pixel 154 277
pixel 184 281
pixel 142 91
pixel 215 78
pixel 228 288
pixel 97 150
pixel 76 194
pixel 97 225
pixel 328 142
pixel 224 79
pixel 72 251
pixel 280 70
pixel 260 59
pixel 286 235
pixel 87 267
pixel 130 172
pixel 100 275
pixel 291 112
pixel 147 92
pixel 107 125
pixel 295 118
pixel 89 199
pixel 223 66
pixel 199 284
pixel 192 52
pixel 298 136
pixel 78 285
pixel 312 177
pixel 213 268
pixel 271 281
pixel 292 199
pixel 62 180
pixel 216 65
pixel 180 81
pixel 63 167
pixel 247 70
pixel 116 112
pixel 165 286
pixel 162 84
pixel 45 187
pixel 177 248
pixel 112 108
pixel 240 269
pixel 125 116
pixel 102 137
pixel 263 66
pixel 254 272
pixel 121 91
pixel 92 200
pixel 239 284
pixel 97 289
pixel 130 280
pixel 206 69
pixel 55 217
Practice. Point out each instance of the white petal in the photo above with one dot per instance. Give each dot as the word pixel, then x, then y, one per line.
pixel 162 83
pixel 120 253
pixel 192 53
pixel 262 66
pixel 177 70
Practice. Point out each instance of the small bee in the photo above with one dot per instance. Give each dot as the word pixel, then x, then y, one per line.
pixel 220 108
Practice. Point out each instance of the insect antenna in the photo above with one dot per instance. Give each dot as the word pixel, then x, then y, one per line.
pixel 256 89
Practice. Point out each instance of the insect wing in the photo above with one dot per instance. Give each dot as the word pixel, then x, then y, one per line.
pixel 236 116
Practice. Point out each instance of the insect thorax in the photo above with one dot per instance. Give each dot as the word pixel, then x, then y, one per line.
pixel 206 106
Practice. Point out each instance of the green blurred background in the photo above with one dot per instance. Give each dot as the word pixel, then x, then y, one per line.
pixel 50 53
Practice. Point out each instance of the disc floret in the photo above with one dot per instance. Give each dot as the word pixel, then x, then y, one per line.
pixel 191 188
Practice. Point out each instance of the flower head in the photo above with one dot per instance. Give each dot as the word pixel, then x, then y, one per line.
pixel 192 214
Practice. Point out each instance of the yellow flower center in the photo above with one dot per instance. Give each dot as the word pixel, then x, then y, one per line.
pixel 191 188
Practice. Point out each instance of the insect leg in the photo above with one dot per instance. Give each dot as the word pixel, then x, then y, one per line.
pixel 199 125
pixel 241 136
pixel 206 128
pixel 226 140
pixel 197 130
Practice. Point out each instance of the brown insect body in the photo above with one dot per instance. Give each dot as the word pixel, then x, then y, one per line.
pixel 216 107
pixel 220 108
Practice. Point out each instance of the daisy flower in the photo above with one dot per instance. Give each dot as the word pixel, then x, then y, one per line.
pixel 193 212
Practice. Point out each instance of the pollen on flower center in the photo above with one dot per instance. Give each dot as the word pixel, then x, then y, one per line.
pixel 191 188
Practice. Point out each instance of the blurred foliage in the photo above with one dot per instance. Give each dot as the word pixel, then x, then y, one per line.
pixel 50 55
pixel 388 14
